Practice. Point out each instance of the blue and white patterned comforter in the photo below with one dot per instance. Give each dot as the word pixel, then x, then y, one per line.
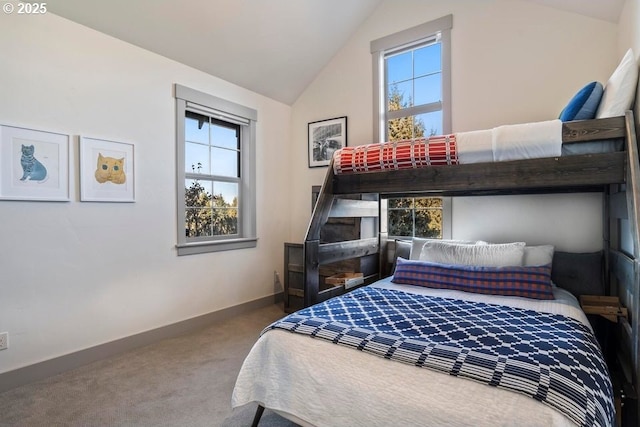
pixel 549 357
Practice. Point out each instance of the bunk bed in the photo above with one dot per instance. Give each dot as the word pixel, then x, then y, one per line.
pixel 316 382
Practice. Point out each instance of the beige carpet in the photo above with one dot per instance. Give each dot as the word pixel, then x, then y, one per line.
pixel 185 381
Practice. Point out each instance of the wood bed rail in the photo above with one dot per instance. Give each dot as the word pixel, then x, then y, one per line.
pixel 633 181
pixel 579 171
pixel 546 174
pixel 339 251
pixel 592 130
pixel 633 208
pixel 323 206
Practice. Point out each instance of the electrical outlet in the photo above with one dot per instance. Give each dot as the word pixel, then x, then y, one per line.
pixel 4 340
pixel 277 285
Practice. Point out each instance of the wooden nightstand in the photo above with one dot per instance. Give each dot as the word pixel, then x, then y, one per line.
pixel 293 277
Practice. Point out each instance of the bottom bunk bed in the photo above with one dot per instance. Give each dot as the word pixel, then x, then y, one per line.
pixel 508 360
pixel 515 359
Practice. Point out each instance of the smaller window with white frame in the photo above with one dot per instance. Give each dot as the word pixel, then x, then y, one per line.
pixel 413 90
pixel 412 82
pixel 412 98
pixel 216 173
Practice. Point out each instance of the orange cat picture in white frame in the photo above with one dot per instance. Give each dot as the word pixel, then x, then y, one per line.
pixel 110 169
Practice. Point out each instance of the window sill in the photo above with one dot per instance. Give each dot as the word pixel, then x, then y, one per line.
pixel 217 246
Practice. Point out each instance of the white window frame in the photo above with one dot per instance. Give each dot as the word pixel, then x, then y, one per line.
pixel 381 47
pixel 188 99
pixel 403 39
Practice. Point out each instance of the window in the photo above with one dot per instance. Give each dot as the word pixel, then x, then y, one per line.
pixel 412 83
pixel 412 99
pixel 216 173
pixel 415 216
pixel 413 91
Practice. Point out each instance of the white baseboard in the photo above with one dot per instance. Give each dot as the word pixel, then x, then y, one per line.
pixel 48 368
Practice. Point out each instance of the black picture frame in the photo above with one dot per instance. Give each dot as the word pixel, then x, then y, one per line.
pixel 324 138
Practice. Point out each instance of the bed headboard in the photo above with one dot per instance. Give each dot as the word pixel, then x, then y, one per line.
pixel 579 273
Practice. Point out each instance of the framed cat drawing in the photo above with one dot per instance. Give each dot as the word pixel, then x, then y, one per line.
pixel 34 165
pixel 106 171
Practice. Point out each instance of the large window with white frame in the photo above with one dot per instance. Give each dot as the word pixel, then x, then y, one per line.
pixel 412 99
pixel 216 173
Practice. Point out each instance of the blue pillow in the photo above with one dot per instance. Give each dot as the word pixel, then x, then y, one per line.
pixel 584 105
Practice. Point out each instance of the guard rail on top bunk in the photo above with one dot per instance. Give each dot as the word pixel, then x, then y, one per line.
pixel 617 174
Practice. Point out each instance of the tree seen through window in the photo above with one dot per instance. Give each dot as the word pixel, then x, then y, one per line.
pixel 412 216
pixel 212 169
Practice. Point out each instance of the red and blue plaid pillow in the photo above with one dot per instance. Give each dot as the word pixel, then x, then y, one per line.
pixel 521 281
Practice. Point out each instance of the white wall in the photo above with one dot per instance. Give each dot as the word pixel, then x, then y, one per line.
pixel 76 274
pixel 629 28
pixel 512 62
pixel 571 223
pixel 630 37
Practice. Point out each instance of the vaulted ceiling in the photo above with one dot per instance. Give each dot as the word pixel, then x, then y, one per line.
pixel 272 47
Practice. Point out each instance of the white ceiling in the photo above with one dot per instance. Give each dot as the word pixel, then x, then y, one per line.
pixel 272 47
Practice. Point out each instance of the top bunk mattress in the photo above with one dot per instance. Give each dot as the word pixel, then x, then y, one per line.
pixel 503 143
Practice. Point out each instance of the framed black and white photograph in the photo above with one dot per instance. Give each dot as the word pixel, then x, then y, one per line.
pixel 326 137
pixel 106 171
pixel 34 165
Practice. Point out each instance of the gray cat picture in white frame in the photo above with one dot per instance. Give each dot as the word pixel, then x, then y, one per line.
pixel 34 165
pixel 32 168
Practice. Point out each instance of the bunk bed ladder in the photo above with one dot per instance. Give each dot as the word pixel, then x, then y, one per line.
pixel 624 263
pixel 317 253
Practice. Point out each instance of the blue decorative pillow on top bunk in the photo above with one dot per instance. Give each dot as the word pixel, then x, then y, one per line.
pixel 584 104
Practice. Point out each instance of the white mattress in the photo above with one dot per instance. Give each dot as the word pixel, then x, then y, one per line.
pixel 317 383
pixel 511 142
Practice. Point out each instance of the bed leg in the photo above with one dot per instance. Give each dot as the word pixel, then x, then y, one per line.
pixel 257 416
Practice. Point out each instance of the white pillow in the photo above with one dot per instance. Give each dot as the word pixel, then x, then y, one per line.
pixel 620 89
pixel 485 255
pixel 538 255
pixel 417 243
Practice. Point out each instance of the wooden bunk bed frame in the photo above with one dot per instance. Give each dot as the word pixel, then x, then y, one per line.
pixel 616 174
